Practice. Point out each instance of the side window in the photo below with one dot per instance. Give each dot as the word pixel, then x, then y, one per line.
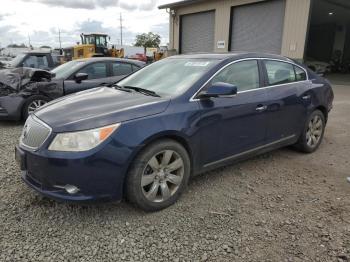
pixel 300 74
pixel 95 71
pixel 36 62
pixel 244 75
pixel 120 69
pixel 279 72
pixel 135 68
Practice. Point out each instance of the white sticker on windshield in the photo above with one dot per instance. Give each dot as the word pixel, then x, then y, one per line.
pixel 203 64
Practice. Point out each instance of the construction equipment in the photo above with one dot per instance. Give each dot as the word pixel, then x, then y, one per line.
pixel 95 45
pixel 162 52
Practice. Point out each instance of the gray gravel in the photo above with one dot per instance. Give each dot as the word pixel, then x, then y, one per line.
pixel 281 206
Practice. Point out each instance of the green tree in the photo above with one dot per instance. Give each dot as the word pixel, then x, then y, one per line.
pixel 147 40
pixel 17 46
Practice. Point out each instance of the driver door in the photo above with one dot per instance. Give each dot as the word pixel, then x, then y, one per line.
pixel 232 126
pixel 97 75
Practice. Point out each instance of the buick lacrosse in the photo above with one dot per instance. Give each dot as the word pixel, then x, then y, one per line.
pixel 145 136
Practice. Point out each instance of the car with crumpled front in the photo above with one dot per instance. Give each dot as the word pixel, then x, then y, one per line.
pixel 24 90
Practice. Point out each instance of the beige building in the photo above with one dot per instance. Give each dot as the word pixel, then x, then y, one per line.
pixel 286 27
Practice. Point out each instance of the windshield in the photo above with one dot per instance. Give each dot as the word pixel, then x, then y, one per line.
pixel 18 59
pixel 65 70
pixel 169 76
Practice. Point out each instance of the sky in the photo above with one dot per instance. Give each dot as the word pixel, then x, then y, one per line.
pixel 40 20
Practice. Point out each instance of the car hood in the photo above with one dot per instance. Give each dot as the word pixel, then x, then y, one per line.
pixel 98 107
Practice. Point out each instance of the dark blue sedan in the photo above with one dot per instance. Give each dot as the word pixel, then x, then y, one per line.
pixel 184 115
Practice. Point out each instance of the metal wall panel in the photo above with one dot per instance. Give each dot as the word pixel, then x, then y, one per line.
pixel 258 27
pixel 294 28
pixel 197 32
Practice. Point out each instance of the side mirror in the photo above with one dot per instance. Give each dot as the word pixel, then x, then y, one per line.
pixel 219 89
pixel 79 77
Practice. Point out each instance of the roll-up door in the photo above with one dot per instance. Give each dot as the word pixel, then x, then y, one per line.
pixel 258 27
pixel 197 32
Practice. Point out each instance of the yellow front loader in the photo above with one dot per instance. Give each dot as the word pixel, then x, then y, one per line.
pixel 95 45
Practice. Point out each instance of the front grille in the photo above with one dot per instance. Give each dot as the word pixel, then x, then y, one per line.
pixel 34 133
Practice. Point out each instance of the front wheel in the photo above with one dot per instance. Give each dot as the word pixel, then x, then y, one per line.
pixel 158 175
pixel 33 103
pixel 313 132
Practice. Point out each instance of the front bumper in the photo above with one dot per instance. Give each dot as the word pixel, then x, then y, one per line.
pixel 55 193
pixel 97 176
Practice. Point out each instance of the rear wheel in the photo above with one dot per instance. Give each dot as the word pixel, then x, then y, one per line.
pixel 313 132
pixel 33 103
pixel 158 175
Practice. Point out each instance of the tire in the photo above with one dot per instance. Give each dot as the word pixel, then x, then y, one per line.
pixel 32 102
pixel 316 125
pixel 152 184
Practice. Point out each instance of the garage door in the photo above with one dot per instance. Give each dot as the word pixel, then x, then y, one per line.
pixel 197 32
pixel 258 27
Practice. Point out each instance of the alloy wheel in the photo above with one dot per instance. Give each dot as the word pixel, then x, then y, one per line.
pixel 314 131
pixel 35 104
pixel 162 176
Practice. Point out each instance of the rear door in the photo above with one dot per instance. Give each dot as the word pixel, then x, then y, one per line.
pixel 288 95
pixel 97 75
pixel 231 126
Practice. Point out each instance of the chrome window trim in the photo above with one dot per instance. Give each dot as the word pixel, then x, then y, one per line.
pixel 36 119
pixel 193 98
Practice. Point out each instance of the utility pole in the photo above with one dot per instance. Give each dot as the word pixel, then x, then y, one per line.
pixel 59 38
pixel 29 45
pixel 121 30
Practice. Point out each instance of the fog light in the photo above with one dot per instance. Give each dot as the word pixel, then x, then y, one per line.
pixel 71 189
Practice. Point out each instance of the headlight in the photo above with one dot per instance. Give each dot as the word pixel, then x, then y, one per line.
pixel 82 140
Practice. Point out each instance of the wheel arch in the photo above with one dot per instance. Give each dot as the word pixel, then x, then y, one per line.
pixel 173 135
pixel 324 111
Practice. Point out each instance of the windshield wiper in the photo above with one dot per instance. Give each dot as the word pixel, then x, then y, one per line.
pixel 142 90
pixel 137 89
pixel 118 87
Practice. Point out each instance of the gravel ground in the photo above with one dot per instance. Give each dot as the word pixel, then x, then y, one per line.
pixel 281 206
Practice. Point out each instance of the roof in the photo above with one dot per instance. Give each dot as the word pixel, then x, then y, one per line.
pixel 230 55
pixel 37 52
pixel 180 3
pixel 96 59
pixel 95 33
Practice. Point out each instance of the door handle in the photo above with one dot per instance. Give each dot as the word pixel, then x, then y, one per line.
pixel 306 97
pixel 261 108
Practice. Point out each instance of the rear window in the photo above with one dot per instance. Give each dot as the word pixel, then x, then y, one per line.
pixel 279 72
pixel 300 74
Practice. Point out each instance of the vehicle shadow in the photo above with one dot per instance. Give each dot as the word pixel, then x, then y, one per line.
pixel 9 123
pixel 124 209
